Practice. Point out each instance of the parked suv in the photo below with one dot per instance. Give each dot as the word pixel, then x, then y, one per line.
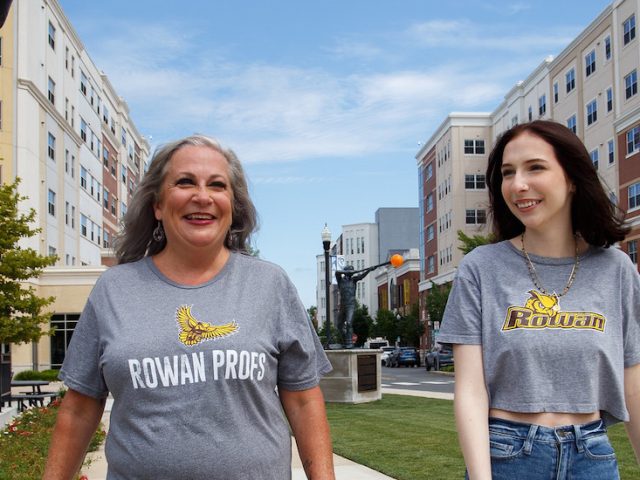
pixel 404 356
pixel 438 357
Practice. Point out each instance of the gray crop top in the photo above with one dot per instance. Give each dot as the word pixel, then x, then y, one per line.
pixel 543 354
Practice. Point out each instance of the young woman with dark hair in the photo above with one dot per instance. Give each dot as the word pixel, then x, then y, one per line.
pixel 545 323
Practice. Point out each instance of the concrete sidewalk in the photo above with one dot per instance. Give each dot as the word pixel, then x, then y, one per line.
pixel 345 468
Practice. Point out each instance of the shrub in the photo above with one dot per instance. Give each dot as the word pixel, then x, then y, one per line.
pixel 24 443
pixel 47 375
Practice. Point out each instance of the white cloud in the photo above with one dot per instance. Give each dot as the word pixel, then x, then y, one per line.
pixel 273 113
pixel 468 36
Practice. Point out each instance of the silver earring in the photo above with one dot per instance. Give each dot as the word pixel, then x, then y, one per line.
pixel 158 232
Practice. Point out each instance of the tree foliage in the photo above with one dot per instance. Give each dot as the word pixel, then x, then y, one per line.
pixel 312 311
pixel 437 300
pixel 362 324
pixel 410 328
pixel 386 325
pixel 469 243
pixel 21 317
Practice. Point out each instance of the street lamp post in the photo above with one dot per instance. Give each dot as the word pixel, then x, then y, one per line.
pixel 326 244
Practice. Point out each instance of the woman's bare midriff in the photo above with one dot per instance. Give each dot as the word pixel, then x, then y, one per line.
pixel 546 419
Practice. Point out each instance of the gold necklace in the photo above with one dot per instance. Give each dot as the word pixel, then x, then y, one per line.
pixel 536 280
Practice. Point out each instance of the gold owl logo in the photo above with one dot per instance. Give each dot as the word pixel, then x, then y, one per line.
pixel 541 303
pixel 193 331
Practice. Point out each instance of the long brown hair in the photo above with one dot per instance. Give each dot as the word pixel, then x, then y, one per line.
pixel 593 215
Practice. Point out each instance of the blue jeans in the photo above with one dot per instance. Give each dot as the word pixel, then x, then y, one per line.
pixel 575 452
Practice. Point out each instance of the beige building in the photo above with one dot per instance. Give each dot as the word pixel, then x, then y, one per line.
pixel 591 86
pixel 7 99
pixel 70 138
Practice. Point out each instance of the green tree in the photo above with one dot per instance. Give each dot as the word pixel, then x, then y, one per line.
pixel 312 311
pixel 469 243
pixel 336 336
pixel 362 324
pixel 386 325
pixel 21 317
pixel 437 300
pixel 410 328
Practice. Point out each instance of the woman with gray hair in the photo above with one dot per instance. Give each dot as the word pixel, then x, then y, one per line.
pixel 192 337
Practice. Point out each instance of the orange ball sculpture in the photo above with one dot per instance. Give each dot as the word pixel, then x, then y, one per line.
pixel 396 260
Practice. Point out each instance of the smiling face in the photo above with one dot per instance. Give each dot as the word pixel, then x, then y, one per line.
pixel 534 184
pixel 195 202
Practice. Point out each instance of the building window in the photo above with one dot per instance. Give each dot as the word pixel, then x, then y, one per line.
pixel 52 36
pixel 571 123
pixel 83 130
pixel 105 239
pixel 63 325
pixel 429 170
pixel 114 202
pixel 431 264
pixel 611 151
pixel 105 156
pixel 607 48
pixel 66 213
pixel 52 203
pixel 629 28
pixel 634 195
pixel 73 166
pixel 633 140
pixel 124 137
pixel 73 218
pixel 590 62
pixel 542 105
pixel 124 174
pixel 592 112
pixel 631 84
pixel 51 147
pixel 530 113
pixel 429 202
pixel 594 158
pixel 430 233
pixel 555 92
pixel 474 181
pixel 105 198
pixel 83 83
pixel 474 147
pixel 476 216
pixel 52 251
pixel 633 250
pixel 51 91
pixel 609 99
pixel 83 225
pixel 570 79
pixel 83 177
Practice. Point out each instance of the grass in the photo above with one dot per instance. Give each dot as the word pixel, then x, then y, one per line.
pixel 414 438
pixel 25 442
pixel 48 375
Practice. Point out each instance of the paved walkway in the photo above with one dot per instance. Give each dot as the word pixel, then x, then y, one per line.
pixel 345 468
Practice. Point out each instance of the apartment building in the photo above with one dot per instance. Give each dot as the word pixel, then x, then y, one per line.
pixel 591 86
pixel 68 135
pixel 7 99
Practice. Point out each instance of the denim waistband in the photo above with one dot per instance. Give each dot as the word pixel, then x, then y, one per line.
pixel 540 433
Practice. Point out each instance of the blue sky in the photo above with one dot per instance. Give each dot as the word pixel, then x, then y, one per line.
pixel 326 102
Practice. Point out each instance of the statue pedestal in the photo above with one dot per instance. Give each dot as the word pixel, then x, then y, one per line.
pixel 355 378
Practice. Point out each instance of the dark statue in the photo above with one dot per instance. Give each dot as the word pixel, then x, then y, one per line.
pixel 347 280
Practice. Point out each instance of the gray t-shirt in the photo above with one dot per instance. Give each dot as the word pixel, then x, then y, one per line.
pixel 193 370
pixel 540 353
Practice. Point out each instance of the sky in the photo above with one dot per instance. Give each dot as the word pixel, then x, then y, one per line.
pixel 325 103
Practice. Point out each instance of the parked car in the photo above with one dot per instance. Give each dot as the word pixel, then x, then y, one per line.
pixel 404 356
pixel 438 357
pixel 386 352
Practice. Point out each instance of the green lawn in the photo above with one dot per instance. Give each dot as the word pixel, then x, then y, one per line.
pixel 414 438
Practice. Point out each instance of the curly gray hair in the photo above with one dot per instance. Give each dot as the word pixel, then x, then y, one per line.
pixel 135 240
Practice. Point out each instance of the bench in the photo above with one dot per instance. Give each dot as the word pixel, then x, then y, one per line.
pixel 32 399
